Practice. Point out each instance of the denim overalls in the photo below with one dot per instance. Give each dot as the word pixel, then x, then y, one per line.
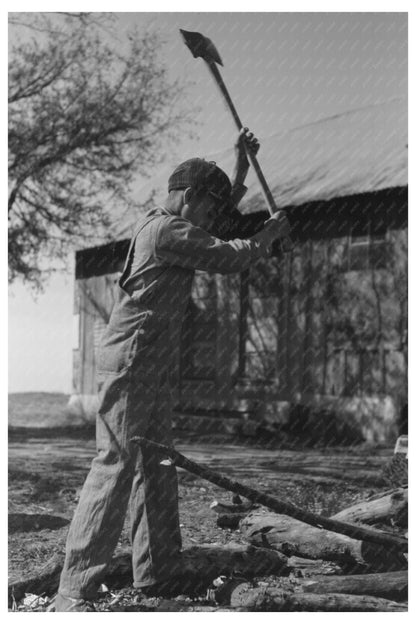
pixel 133 362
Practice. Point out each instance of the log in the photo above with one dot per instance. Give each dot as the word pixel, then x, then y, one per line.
pixel 198 567
pixel 337 602
pixel 224 508
pixel 302 567
pixel 391 585
pixel 382 494
pixel 389 540
pixel 393 506
pixel 270 599
pixel 202 564
pixel 230 521
pixel 295 538
pixel 45 582
pixel 179 605
pixel 229 516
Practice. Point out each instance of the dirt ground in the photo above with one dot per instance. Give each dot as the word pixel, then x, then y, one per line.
pixel 47 467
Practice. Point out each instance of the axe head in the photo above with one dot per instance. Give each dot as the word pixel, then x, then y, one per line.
pixel 201 46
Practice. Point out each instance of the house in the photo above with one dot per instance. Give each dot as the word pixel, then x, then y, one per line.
pixel 325 325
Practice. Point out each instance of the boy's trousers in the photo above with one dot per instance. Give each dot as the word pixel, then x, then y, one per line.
pixel 135 401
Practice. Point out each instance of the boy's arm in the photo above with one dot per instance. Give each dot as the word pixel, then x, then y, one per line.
pixel 246 142
pixel 180 243
pixel 237 193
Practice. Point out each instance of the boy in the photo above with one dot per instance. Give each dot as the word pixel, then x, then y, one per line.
pixel 169 244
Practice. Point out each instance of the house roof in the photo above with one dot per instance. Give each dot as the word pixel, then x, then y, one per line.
pixel 357 151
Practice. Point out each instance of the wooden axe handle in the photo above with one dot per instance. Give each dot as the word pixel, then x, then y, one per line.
pixel 388 539
pixel 286 243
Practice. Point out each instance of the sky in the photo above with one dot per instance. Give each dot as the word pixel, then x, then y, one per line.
pixel 282 70
pixel 285 69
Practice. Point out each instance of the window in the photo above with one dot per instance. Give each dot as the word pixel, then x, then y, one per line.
pixel 366 251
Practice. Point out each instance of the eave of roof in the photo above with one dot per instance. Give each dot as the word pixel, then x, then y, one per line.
pixel 358 151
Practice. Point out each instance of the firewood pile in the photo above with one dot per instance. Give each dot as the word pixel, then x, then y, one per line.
pixel 370 564
pixel 328 571
pixel 291 559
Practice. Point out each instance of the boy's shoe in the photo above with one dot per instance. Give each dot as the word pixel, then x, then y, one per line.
pixel 66 603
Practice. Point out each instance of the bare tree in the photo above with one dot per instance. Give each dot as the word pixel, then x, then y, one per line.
pixel 86 115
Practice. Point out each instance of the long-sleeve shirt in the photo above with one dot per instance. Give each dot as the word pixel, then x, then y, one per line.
pixel 156 284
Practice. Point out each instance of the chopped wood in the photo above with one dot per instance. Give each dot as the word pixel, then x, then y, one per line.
pixel 388 540
pixel 306 568
pixel 45 582
pixel 199 566
pixel 270 599
pixel 229 516
pixel 223 508
pixel 295 538
pixel 391 585
pixel 237 500
pixel 384 493
pixel 390 507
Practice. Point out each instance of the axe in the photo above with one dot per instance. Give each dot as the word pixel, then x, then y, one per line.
pixel 203 47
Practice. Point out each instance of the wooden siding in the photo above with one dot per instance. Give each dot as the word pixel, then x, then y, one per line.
pixel 94 300
pixel 315 327
pixel 299 324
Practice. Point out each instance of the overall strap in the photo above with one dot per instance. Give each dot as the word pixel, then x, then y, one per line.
pixel 129 259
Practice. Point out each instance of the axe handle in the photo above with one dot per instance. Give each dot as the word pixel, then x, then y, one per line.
pixel 286 242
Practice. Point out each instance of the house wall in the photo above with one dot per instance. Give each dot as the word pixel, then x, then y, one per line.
pixel 93 301
pixel 319 332
pixel 301 326
pixel 314 325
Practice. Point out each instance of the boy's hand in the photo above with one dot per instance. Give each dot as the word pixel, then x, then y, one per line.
pixel 278 224
pixel 274 228
pixel 246 142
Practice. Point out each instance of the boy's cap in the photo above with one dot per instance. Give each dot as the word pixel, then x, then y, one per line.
pixel 201 174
